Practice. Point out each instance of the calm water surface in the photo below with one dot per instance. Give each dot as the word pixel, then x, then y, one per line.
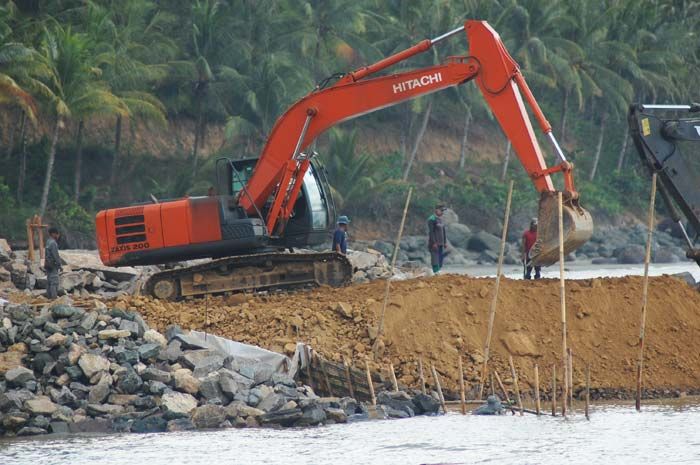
pixel 661 434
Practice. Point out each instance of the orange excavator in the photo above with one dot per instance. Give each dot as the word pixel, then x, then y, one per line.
pixel 282 199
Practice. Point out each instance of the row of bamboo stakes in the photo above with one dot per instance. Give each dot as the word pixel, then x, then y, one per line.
pixel 566 352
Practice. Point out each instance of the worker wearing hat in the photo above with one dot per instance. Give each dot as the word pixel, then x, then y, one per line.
pixel 340 236
pixel 437 238
pixel 529 239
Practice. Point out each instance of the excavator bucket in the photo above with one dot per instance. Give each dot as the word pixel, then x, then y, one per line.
pixel 578 228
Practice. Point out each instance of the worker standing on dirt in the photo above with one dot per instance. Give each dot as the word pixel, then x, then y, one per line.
pixel 529 239
pixel 52 263
pixel 437 238
pixel 340 236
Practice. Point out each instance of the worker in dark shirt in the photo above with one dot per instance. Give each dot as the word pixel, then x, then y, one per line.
pixel 437 238
pixel 340 236
pixel 52 263
pixel 529 239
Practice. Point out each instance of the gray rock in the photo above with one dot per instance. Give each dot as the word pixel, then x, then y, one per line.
pixel 30 431
pixel 63 311
pixel 104 409
pixel 113 334
pixel 458 235
pixel 154 337
pixel 148 351
pixel 336 415
pixel 282 417
pixel 154 374
pixel 88 321
pixel 208 365
pixel 425 405
pixel 53 328
pixel 178 403
pixel 280 378
pixel 92 364
pixel 64 396
pixel 13 400
pixel 208 416
pixel 171 331
pixel 191 358
pixel 141 323
pixel 185 382
pixel 180 424
pixel 19 376
pixel 349 405
pixel 631 254
pixel 100 391
pixel 209 387
pixel 227 384
pixel 124 355
pixel 74 372
pixel 173 351
pixel 154 424
pixel 39 421
pixel 397 401
pixel 272 402
pixel 189 342
pixel 312 415
pixel 91 425
pixel 130 326
pixel 156 388
pixel 129 382
pixel 483 241
pixel 41 405
pixel 59 427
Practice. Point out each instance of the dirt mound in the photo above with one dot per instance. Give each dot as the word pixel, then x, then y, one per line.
pixel 441 317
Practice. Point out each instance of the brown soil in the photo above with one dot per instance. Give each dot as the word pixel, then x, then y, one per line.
pixel 442 317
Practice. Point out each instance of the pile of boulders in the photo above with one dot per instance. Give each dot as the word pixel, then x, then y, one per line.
pixel 65 369
pixel 83 274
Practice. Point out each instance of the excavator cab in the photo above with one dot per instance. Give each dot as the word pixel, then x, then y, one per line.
pixel 313 216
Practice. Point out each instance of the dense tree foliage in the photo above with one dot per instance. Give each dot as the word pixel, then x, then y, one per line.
pixel 239 64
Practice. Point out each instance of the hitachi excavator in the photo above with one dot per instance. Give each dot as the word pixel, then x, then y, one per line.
pixel 282 200
pixel 658 139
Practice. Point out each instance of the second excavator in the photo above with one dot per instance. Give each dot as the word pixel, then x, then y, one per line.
pixel 282 200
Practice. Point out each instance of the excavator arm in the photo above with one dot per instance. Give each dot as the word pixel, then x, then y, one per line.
pixel 281 167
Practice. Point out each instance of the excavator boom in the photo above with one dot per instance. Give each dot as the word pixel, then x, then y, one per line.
pixel 283 163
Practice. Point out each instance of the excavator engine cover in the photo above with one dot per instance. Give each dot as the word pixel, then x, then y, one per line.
pixel 578 228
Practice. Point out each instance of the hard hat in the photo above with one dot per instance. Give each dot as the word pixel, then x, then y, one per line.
pixel 533 221
pixel 343 220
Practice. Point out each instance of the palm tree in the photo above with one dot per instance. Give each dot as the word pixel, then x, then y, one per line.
pixel 73 89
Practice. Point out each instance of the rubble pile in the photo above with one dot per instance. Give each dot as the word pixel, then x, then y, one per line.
pixel 65 369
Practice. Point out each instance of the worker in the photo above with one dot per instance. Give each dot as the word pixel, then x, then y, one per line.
pixel 340 236
pixel 437 238
pixel 493 406
pixel 529 239
pixel 211 192
pixel 52 263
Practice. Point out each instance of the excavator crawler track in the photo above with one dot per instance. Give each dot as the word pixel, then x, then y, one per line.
pixel 268 271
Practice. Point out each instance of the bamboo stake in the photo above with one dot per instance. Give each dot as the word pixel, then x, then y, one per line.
pixel 515 384
pixel 493 387
pixel 42 250
pixel 369 383
pixel 494 300
pixel 462 396
pixel 503 389
pixel 307 352
pixel 537 390
pixel 571 377
pixel 348 375
pixel 393 377
pixel 393 263
pixel 30 241
pixel 554 390
pixel 562 292
pixel 421 375
pixel 439 388
pixel 645 289
pixel 588 390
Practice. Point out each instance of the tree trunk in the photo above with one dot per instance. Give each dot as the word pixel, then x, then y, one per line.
pixel 117 147
pixel 22 161
pixel 11 142
pixel 78 162
pixel 506 160
pixel 463 146
pixel 599 147
pixel 195 147
pixel 623 150
pixel 419 139
pixel 49 167
pixel 564 112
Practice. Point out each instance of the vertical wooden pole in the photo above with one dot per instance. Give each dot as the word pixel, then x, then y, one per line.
pixel 571 377
pixel 554 390
pixel 562 293
pixel 370 384
pixel 394 384
pixel 30 241
pixel 380 328
pixel 307 353
pixel 462 394
pixel 438 387
pixel 325 376
pixel 537 390
pixel 494 300
pixel 588 390
pixel 348 375
pixel 645 289
pixel 421 376
pixel 42 252
pixel 493 386
pixel 514 374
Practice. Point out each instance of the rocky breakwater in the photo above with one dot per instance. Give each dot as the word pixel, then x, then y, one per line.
pixel 72 370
